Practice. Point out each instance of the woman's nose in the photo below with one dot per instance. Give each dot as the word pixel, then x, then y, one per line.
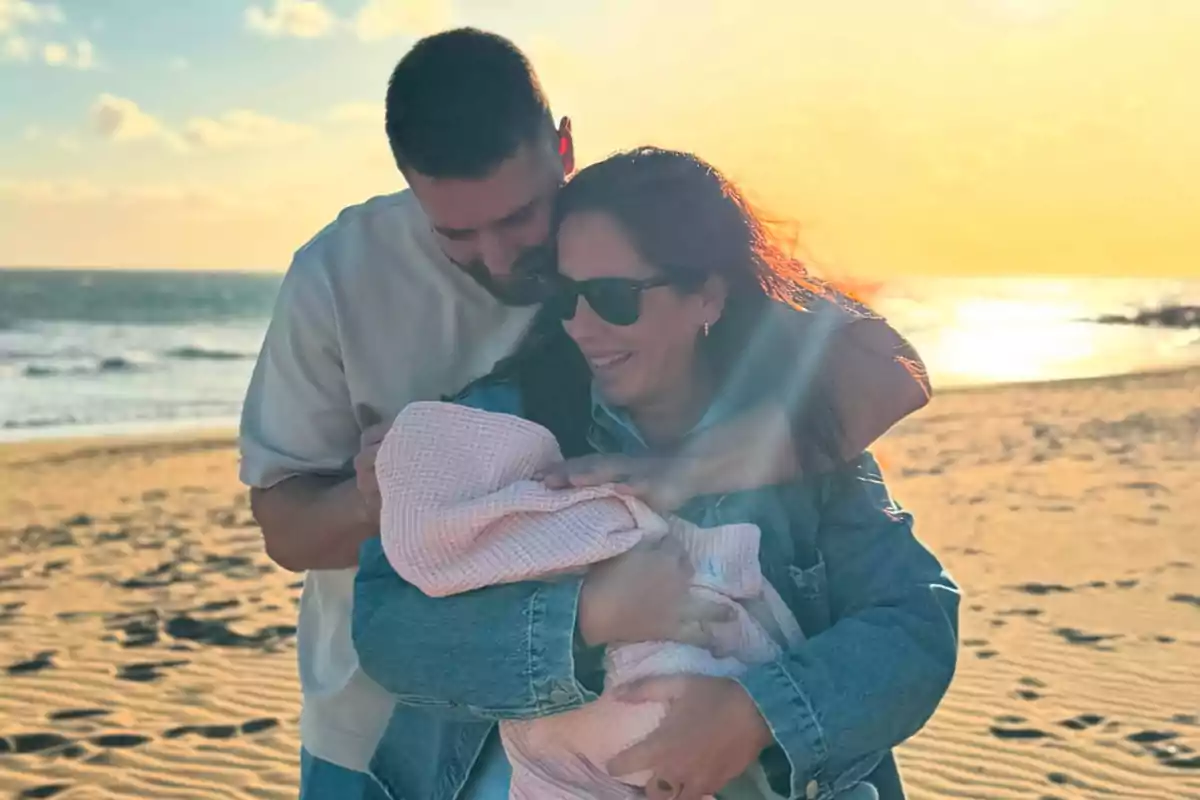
pixel 585 324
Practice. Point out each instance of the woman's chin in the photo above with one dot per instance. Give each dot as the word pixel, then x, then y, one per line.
pixel 615 391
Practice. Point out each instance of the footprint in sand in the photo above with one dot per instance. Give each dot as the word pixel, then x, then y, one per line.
pixel 41 661
pixel 1042 588
pixel 1019 733
pixel 146 671
pixel 23 743
pixel 206 731
pixel 1082 722
pixel 1190 599
pixel 1075 636
pixel 45 790
pixel 1162 746
pixel 77 713
pixel 119 741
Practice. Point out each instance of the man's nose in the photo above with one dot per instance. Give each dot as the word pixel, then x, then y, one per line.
pixel 497 254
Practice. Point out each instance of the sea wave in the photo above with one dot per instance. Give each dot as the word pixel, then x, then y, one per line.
pixel 103 366
pixel 191 353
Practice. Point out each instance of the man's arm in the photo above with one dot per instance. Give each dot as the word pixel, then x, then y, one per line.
pixel 876 378
pixel 299 433
pixel 313 522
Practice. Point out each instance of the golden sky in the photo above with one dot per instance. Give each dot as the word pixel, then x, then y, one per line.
pixel 962 137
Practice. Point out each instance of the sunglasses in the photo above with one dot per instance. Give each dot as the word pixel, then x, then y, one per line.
pixel 617 301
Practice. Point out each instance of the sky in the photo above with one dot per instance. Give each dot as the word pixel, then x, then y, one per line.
pixel 943 137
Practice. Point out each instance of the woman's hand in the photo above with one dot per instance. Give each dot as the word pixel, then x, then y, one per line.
pixel 712 733
pixel 643 596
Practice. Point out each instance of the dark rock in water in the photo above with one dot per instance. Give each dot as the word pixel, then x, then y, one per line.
pixel 202 354
pixel 1165 317
pixel 116 364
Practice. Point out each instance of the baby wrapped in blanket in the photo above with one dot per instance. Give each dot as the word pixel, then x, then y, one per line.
pixel 461 511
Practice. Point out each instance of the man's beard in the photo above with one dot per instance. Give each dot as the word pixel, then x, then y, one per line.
pixel 528 284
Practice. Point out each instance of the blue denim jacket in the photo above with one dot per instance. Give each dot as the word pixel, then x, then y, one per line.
pixel 879 612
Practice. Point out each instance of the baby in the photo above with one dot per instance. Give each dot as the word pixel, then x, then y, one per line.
pixel 461 511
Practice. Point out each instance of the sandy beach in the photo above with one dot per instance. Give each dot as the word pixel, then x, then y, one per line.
pixel 147 643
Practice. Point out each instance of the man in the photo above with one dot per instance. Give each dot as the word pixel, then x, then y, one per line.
pixel 408 297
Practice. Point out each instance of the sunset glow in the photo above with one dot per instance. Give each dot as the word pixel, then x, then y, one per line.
pixel 946 137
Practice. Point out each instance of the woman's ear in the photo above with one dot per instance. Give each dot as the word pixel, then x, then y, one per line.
pixel 712 296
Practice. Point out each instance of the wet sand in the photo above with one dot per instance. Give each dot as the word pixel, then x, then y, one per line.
pixel 147 643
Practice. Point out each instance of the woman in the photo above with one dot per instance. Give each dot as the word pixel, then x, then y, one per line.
pixel 662 320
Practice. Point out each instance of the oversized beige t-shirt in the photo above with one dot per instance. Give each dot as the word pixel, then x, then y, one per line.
pixel 370 317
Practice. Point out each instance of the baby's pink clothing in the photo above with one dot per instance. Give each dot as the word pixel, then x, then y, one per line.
pixel 461 511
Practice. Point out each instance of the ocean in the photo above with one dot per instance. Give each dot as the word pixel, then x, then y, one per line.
pixel 110 352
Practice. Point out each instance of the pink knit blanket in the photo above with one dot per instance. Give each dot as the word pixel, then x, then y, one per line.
pixel 461 511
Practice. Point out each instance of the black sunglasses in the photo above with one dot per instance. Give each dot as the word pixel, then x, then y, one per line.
pixel 617 301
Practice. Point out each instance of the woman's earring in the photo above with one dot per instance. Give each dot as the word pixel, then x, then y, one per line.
pixel 706 329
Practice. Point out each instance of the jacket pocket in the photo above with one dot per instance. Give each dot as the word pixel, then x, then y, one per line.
pixel 811 581
pixel 810 591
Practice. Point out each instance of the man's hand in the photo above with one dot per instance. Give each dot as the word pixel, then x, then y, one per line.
pixel 644 595
pixel 752 450
pixel 364 470
pixel 662 482
pixel 712 733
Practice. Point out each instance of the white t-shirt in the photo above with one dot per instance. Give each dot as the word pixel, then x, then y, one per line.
pixel 370 317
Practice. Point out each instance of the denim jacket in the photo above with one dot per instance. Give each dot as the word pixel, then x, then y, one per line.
pixel 878 610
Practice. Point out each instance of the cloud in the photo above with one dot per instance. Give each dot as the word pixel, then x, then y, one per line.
pixel 51 192
pixel 381 19
pixel 119 119
pixel 145 197
pixel 304 19
pixel 15 13
pixel 243 128
pixel 82 57
pixel 16 48
pixel 354 113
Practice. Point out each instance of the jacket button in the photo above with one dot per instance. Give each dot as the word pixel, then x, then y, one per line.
pixel 812 790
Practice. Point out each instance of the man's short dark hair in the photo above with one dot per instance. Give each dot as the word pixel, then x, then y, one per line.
pixel 461 102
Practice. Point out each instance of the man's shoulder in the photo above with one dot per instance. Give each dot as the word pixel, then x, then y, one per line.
pixel 369 235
